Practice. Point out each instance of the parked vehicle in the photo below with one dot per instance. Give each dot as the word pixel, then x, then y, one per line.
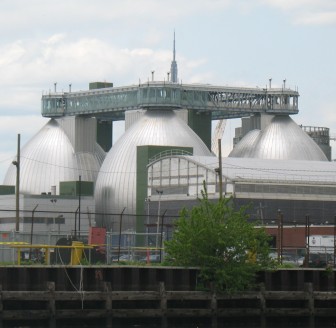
pixel 321 260
pixel 124 258
pixel 289 258
pixel 153 258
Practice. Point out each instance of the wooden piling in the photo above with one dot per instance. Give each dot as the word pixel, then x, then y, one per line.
pixel 52 304
pixel 213 306
pixel 262 306
pixel 163 304
pixel 103 294
pixel 108 304
pixel 308 288
pixel 1 306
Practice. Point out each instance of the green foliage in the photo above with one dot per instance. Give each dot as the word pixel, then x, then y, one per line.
pixel 84 261
pixel 285 265
pixel 329 270
pixel 219 239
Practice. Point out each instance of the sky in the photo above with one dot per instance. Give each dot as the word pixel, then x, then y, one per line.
pixel 219 42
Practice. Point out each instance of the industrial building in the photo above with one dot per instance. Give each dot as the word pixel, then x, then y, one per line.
pixel 163 159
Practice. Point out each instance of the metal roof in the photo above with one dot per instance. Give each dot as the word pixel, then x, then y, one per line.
pixel 116 182
pixel 49 157
pixel 282 139
pixel 253 169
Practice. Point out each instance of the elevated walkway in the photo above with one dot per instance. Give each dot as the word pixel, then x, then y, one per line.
pixel 222 102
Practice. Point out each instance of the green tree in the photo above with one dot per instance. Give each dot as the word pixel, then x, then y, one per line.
pixel 217 238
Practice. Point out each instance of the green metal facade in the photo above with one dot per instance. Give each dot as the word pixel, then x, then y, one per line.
pixel 201 125
pixel 100 85
pixel 105 134
pixel 72 188
pixel 7 190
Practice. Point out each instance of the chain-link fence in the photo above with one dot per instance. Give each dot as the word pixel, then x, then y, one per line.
pixel 135 247
pixel 128 246
pixel 303 243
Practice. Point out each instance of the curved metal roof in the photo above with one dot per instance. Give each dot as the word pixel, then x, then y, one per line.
pixel 245 147
pixel 255 169
pixel 49 158
pixel 116 182
pixel 282 139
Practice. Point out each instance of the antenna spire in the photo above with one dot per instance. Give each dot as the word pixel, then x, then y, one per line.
pixel 173 67
pixel 174 48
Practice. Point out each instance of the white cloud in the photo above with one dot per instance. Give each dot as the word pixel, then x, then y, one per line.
pixel 76 61
pixel 22 15
pixel 40 63
pixel 24 125
pixel 11 53
pixel 324 18
pixel 300 4
pixel 55 39
pixel 306 12
pixel 138 52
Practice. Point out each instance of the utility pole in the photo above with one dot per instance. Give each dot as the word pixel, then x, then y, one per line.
pixel 79 203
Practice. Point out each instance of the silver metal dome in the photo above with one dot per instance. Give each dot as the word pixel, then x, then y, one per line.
pixel 245 147
pixel 282 139
pixel 49 158
pixel 116 182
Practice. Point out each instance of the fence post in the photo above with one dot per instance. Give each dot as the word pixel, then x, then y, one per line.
pixel 161 244
pixel 120 226
pixel 279 238
pixel 13 249
pixel 108 243
pixel 307 233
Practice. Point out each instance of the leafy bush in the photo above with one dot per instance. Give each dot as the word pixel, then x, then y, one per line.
pixel 219 239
